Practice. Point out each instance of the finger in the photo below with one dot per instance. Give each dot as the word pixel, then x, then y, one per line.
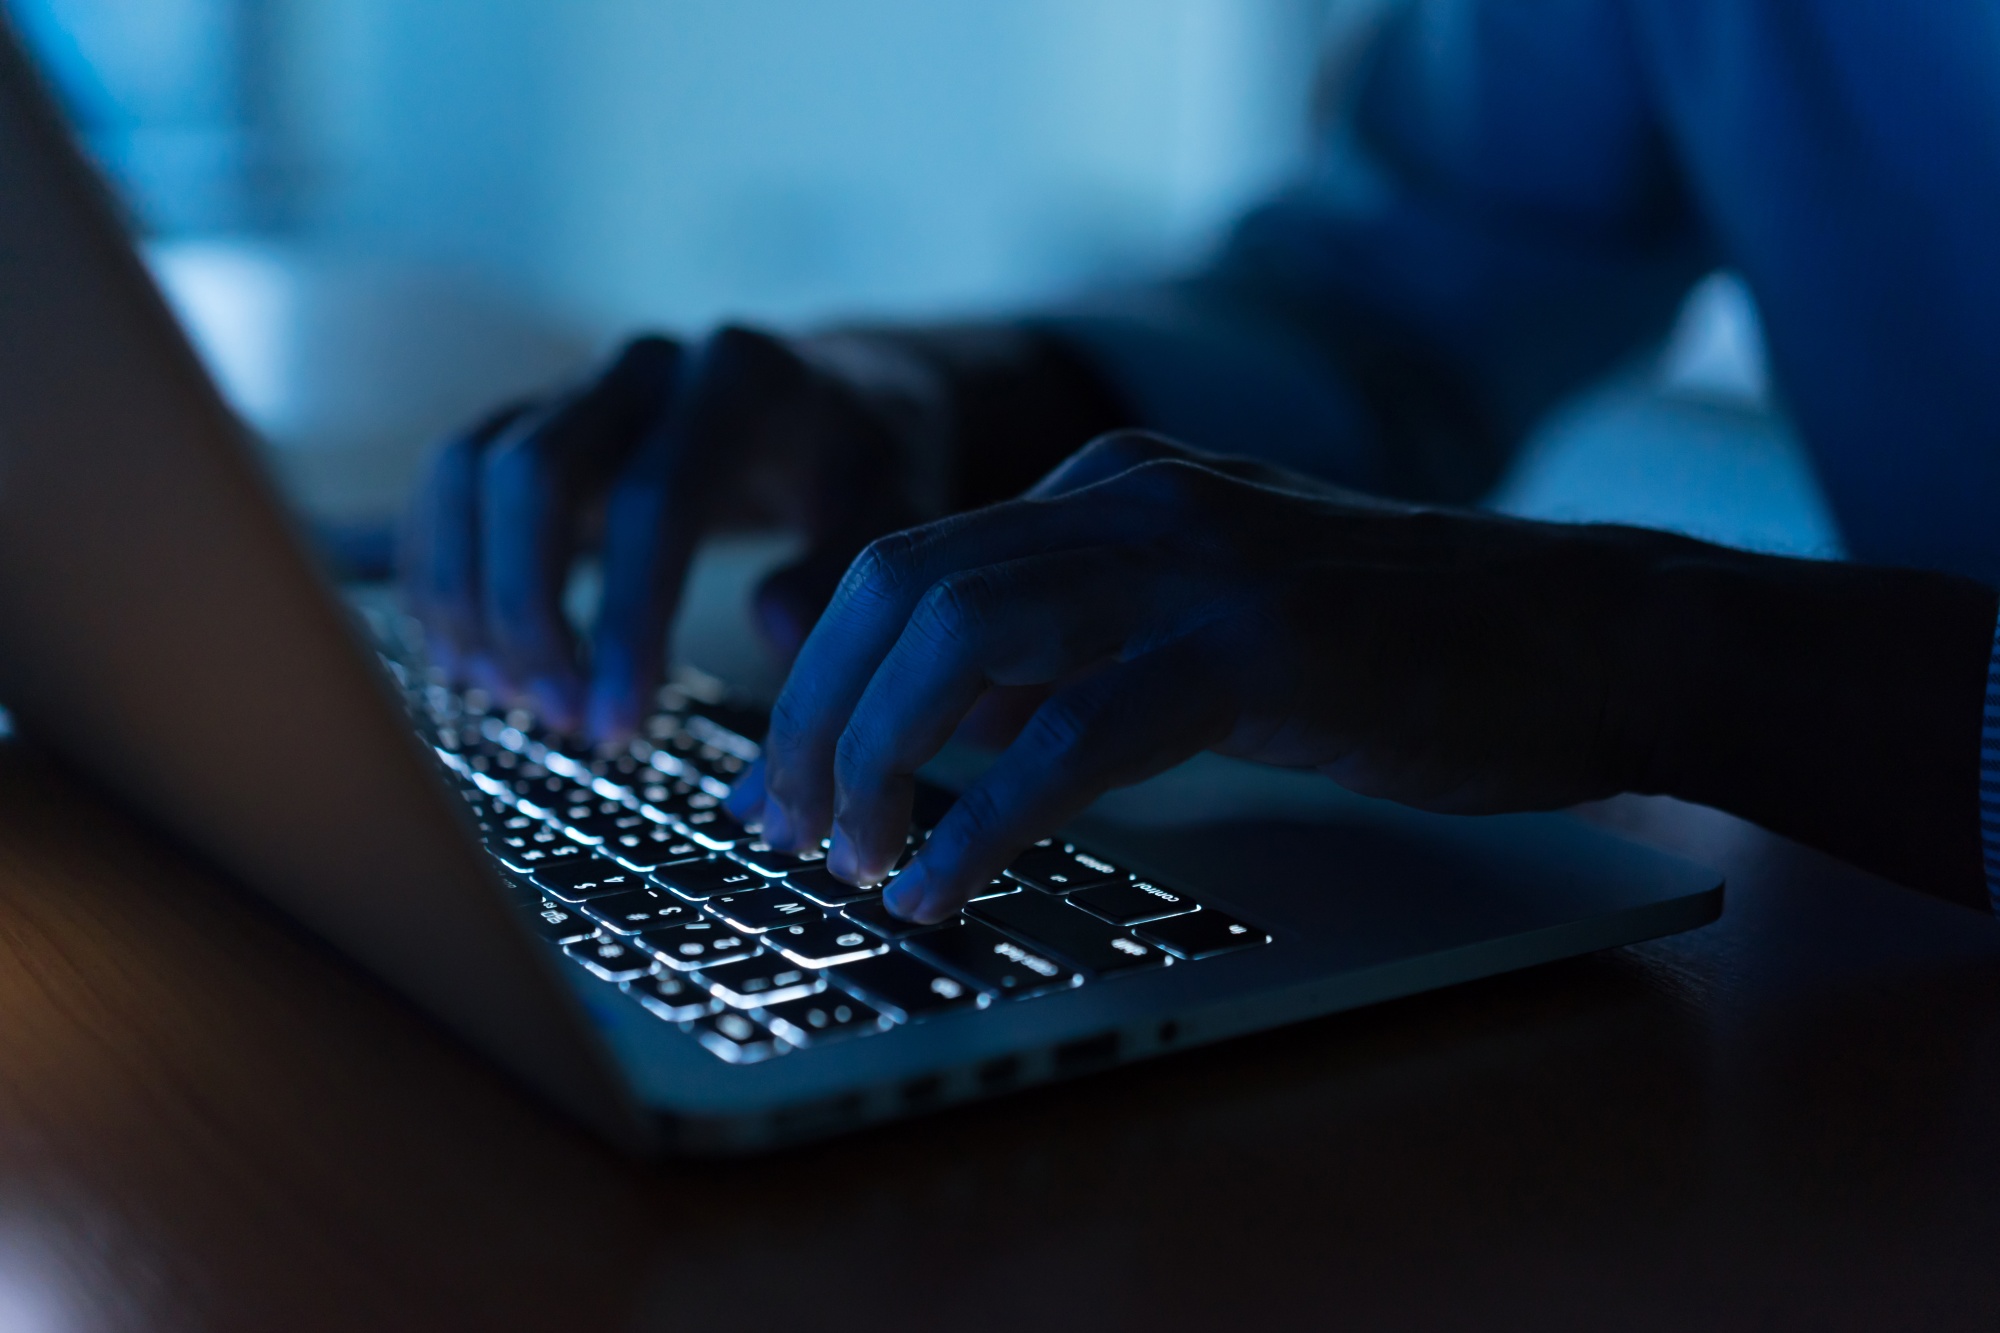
pixel 1116 727
pixel 438 558
pixel 746 794
pixel 533 482
pixel 881 590
pixel 1107 456
pixel 654 519
pixel 1000 714
pixel 1121 450
pixel 1025 622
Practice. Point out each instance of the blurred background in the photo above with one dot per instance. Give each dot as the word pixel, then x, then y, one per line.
pixel 379 217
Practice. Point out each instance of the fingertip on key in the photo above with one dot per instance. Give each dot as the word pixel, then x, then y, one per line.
pixel 904 896
pixel 777 826
pixel 841 858
pixel 746 796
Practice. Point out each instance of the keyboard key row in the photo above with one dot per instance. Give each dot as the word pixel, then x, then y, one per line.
pixel 755 951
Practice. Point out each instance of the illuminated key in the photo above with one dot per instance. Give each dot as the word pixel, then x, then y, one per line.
pixel 762 909
pixel 614 960
pixel 1134 901
pixel 733 1037
pixel 1074 934
pixel 697 880
pixel 825 1017
pixel 1203 934
pixel 905 987
pixel 580 879
pixel 640 909
pixel 696 944
pixel 671 996
pixel 767 978
pixel 998 962
pixel 826 942
pixel 1058 867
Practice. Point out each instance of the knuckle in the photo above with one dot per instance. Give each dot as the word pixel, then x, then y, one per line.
pixel 952 612
pixel 883 570
pixel 790 719
pixel 857 760
pixel 1122 449
pixel 1060 730
pixel 976 815
pixel 1177 484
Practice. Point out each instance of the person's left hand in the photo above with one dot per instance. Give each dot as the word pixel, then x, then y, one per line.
pixel 1167 602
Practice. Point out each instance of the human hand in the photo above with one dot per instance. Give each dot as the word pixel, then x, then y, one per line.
pixel 1169 602
pixel 828 436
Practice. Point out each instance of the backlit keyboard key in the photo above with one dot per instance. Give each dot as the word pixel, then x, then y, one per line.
pixel 996 961
pixel 640 909
pixel 1202 934
pixel 1132 902
pixel 614 960
pixel 697 880
pixel 732 1037
pixel 827 1016
pixel 766 978
pixel 905 987
pixel 818 884
pixel 584 813
pixel 696 944
pixel 1076 935
pixel 762 909
pixel 671 996
pixel 652 846
pixel 757 854
pixel 826 942
pixel 717 828
pixel 599 829
pixel 528 852
pixel 559 923
pixel 581 879
pixel 1058 867
pixel 877 918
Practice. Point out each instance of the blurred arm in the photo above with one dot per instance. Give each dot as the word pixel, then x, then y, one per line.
pixel 1492 220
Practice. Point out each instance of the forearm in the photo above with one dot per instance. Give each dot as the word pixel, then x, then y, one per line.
pixel 1837 704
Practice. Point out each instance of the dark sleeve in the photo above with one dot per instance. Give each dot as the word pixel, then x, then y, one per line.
pixel 1493 217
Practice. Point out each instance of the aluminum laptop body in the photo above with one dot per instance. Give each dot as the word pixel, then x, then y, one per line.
pixel 165 633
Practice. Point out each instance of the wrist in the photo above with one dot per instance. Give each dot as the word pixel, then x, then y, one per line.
pixel 1836 703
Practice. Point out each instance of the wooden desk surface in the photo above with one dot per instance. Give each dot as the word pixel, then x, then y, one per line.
pixel 1786 1120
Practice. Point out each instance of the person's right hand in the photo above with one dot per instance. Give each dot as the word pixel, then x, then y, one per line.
pixel 829 436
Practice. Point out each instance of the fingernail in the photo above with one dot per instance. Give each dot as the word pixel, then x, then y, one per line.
pixel 905 895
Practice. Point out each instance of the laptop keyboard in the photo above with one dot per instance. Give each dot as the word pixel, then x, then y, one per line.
pixel 629 864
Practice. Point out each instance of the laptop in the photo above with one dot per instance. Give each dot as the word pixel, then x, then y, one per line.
pixel 594 923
